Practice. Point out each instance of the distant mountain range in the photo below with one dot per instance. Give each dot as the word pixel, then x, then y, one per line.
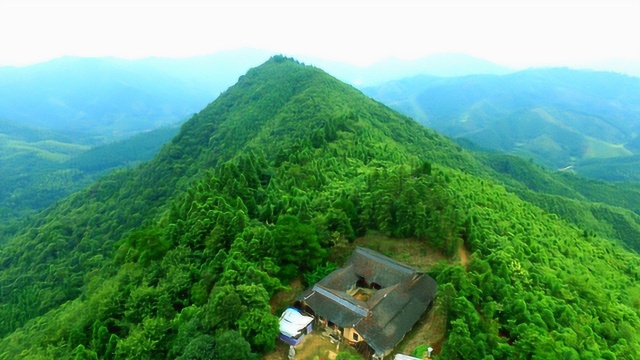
pixel 441 65
pixel 557 116
pixel 112 98
pixel 621 66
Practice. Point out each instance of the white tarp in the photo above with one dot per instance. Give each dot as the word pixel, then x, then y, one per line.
pixel 405 357
pixel 292 322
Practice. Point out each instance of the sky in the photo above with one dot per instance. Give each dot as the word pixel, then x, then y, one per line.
pixel 516 33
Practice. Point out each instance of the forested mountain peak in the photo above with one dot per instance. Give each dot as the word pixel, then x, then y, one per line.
pixel 283 104
pixel 179 257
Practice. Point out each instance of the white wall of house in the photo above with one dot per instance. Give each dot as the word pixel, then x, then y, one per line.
pixel 352 335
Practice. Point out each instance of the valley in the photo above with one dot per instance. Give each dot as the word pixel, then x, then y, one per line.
pixel 44 166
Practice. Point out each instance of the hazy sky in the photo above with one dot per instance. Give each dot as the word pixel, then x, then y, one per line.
pixel 512 33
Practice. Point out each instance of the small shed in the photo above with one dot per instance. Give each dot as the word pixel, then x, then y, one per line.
pixel 294 326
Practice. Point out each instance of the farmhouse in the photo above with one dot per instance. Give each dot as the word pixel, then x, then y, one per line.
pixel 371 302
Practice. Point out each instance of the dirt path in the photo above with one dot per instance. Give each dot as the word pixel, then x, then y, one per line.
pixel 464 254
pixel 314 346
pixel 284 298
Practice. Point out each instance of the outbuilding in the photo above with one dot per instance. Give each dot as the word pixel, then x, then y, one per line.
pixel 294 326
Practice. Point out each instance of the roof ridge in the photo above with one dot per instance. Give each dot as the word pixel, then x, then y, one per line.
pixel 340 300
pixel 380 295
pixel 385 259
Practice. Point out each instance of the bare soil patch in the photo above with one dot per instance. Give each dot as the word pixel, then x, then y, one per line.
pixel 465 255
pixel 285 298
pixel 315 346
pixel 413 252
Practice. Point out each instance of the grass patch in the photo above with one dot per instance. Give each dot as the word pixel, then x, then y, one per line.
pixel 412 252
pixel 603 150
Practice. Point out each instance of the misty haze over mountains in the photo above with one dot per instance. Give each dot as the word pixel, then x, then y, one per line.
pixel 112 98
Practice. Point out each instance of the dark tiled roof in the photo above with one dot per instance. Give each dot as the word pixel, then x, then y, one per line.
pixel 341 279
pixel 396 314
pixel 375 267
pixel 389 314
pixel 339 308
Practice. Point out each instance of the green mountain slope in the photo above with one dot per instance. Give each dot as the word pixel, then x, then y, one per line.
pixel 45 166
pixel 31 179
pixel 608 209
pixel 623 169
pixel 138 148
pixel 179 257
pixel 558 117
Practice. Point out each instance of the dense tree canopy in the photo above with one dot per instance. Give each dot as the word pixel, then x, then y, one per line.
pixel 180 257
